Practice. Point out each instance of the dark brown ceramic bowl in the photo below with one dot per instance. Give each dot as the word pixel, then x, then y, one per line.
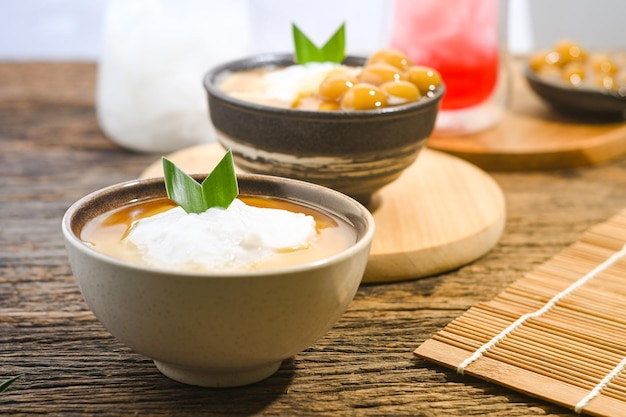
pixel 354 152
pixel 578 101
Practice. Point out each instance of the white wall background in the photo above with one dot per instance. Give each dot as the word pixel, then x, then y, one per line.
pixel 594 23
pixel 72 29
pixel 50 29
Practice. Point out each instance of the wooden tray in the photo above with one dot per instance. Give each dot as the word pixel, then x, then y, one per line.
pixel 531 136
pixel 442 213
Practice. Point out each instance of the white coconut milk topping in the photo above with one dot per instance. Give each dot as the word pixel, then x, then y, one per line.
pixel 233 238
pixel 287 84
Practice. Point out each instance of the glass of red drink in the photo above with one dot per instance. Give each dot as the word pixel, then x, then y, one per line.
pixel 463 40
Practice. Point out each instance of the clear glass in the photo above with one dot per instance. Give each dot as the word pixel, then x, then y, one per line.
pixel 465 41
pixel 149 94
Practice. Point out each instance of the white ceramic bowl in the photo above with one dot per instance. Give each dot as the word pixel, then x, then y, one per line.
pixel 218 329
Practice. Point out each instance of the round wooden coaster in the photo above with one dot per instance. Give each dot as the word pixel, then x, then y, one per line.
pixel 532 136
pixel 442 213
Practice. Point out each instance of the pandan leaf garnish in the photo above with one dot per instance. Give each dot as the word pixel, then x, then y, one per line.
pixel 332 51
pixel 219 188
pixel 6 384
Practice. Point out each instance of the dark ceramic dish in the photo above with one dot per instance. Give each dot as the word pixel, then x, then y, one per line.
pixel 578 101
pixel 355 152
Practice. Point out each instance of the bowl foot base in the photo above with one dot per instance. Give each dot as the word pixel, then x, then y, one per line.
pixel 216 379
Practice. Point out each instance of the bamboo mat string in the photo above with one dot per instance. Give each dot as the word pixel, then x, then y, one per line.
pixel 546 307
pixel 601 385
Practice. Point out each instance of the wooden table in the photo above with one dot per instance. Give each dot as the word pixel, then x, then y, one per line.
pixel 53 152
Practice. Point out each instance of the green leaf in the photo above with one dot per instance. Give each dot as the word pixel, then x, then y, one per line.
pixel 219 188
pixel 182 189
pixel 6 384
pixel 332 51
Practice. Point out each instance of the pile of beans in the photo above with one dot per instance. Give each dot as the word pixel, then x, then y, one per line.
pixel 567 62
pixel 387 79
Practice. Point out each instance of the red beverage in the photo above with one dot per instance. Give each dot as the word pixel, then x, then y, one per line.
pixel 468 85
pixel 457 37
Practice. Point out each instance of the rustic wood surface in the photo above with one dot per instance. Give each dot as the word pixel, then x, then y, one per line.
pixel 53 152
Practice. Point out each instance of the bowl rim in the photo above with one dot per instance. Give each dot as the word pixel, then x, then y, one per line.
pixel 362 242
pixel 266 60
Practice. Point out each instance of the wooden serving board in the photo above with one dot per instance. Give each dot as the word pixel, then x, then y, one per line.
pixel 442 213
pixel 532 136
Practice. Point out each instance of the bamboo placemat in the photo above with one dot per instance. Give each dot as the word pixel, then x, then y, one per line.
pixel 558 333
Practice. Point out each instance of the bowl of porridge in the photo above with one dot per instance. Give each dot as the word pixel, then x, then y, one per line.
pixel 353 127
pixel 232 292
